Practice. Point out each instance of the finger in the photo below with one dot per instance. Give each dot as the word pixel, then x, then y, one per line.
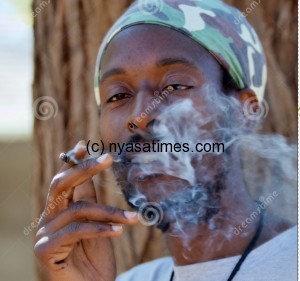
pixel 85 211
pixel 79 174
pixel 86 192
pixel 62 186
pixel 58 245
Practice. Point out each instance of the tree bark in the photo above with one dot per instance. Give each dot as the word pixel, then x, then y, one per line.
pixel 67 37
pixel 276 26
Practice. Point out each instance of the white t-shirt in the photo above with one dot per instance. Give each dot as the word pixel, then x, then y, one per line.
pixel 275 260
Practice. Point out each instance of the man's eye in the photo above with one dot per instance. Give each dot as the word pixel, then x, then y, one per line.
pixel 175 87
pixel 118 97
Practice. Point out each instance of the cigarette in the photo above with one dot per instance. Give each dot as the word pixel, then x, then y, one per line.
pixel 70 159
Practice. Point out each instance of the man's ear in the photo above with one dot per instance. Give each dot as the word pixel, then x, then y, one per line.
pixel 248 97
pixel 250 108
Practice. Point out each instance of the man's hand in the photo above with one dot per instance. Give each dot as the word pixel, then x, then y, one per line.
pixel 72 241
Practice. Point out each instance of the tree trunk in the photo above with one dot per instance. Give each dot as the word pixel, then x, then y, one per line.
pixel 276 26
pixel 67 37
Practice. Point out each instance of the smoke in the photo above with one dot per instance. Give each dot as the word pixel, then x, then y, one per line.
pixel 188 185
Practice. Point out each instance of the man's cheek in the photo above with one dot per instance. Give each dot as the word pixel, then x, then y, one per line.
pixel 107 130
pixel 113 135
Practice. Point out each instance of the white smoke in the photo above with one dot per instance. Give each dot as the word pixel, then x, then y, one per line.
pixel 268 161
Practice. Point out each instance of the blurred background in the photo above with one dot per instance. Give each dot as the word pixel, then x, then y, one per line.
pixel 16 123
pixel 47 56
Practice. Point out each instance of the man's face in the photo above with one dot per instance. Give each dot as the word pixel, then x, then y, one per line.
pixel 140 63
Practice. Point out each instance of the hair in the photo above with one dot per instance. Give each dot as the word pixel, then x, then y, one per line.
pixel 228 83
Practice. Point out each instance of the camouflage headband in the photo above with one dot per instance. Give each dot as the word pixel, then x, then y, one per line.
pixel 216 26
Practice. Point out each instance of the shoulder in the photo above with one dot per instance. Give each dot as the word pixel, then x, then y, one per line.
pixel 159 269
pixel 283 245
pixel 287 241
pixel 276 259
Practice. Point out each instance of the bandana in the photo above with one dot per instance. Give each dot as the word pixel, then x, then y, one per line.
pixel 221 29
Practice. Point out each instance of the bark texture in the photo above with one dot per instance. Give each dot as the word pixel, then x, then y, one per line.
pixel 67 36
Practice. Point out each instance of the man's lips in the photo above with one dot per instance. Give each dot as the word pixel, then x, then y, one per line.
pixel 146 165
pixel 144 157
pixel 149 165
pixel 145 171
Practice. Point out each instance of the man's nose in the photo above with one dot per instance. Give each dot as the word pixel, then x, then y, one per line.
pixel 146 126
pixel 145 115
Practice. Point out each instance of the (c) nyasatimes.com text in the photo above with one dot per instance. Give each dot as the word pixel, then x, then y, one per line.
pixel 156 146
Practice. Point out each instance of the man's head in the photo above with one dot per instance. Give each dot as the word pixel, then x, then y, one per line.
pixel 159 84
pixel 219 28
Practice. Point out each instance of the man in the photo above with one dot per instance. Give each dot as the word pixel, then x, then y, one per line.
pixel 198 70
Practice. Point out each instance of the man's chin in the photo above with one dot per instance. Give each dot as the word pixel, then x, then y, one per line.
pixel 158 187
pixel 164 227
pixel 183 205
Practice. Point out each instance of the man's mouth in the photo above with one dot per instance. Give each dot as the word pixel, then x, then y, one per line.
pixel 144 166
pixel 144 158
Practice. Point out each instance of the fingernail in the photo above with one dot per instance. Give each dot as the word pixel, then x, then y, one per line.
pixel 102 158
pixel 41 231
pixel 117 228
pixel 130 215
pixel 80 145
